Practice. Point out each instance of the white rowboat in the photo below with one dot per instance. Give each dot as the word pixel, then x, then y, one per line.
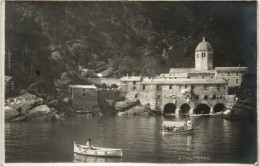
pixel 96 151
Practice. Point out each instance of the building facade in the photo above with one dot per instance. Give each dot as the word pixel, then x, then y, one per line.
pixel 83 96
pixel 202 89
pixel 9 84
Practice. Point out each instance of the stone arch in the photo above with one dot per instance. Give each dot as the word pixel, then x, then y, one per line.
pixel 185 108
pixel 169 108
pixel 202 109
pixel 219 107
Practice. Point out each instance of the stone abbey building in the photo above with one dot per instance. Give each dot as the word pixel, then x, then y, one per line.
pixel 202 89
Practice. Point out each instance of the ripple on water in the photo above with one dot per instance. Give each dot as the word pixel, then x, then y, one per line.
pixel 138 136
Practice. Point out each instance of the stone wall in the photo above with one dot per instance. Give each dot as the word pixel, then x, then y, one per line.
pixel 129 86
pixel 231 76
pixel 157 96
pixel 186 94
pixel 107 81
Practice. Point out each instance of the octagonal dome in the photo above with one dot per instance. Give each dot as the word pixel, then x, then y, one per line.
pixel 204 46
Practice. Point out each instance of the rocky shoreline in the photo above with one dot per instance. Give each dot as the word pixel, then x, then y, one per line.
pixel 29 107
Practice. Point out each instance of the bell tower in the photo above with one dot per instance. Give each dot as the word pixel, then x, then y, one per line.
pixel 204 56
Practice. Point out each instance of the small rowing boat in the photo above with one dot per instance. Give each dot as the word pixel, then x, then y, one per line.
pixel 96 151
pixel 179 127
pixel 189 131
pixel 79 112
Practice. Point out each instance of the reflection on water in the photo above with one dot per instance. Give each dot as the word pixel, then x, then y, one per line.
pixel 214 140
pixel 92 159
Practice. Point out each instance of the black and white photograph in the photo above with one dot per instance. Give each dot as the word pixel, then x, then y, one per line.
pixel 159 82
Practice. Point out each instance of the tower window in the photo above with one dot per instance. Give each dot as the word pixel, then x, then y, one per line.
pixel 228 73
pixel 143 87
pixel 185 87
pixel 205 86
pixel 236 73
pixel 228 80
pixel 206 97
pixel 197 96
pixel 170 87
pixel 134 82
pixel 218 86
pixel 83 90
pixel 158 96
pixel 237 80
pixel 134 87
pixel 158 87
pixel 84 94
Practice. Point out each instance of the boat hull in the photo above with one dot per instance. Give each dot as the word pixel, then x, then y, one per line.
pixel 97 151
pixel 191 131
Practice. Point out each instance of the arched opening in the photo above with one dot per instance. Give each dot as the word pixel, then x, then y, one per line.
pixel 202 109
pixel 185 108
pixel 169 108
pixel 219 107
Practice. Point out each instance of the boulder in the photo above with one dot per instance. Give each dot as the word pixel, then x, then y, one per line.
pixel 20 118
pixel 10 113
pixel 26 96
pixel 38 112
pixel 53 103
pixel 121 114
pixel 29 105
pixel 227 114
pixel 55 55
pixel 24 106
pixel 43 113
pixel 138 110
pixel 125 105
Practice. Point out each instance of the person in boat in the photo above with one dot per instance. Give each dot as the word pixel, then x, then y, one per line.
pixel 88 144
pixel 189 124
pixel 174 128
